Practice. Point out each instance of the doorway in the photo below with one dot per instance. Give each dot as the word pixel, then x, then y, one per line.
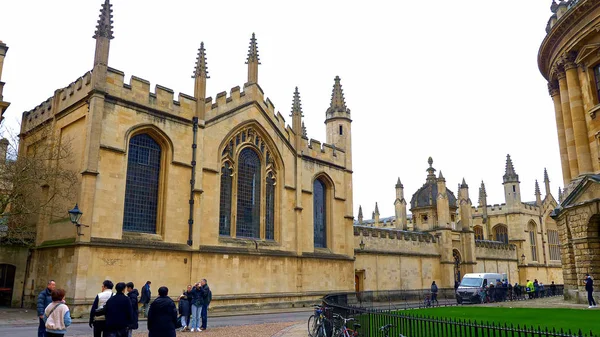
pixel 7 282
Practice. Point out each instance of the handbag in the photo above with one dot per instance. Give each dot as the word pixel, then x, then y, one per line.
pixel 50 314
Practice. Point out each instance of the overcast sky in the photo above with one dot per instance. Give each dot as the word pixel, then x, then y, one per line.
pixel 455 80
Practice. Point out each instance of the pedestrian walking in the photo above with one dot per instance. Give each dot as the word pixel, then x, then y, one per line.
pixel 44 298
pixel 589 287
pixel 184 310
pixel 97 313
pixel 553 289
pixel 119 313
pixel 56 315
pixel 536 288
pixel 434 292
pixel 162 315
pixel 146 296
pixel 133 294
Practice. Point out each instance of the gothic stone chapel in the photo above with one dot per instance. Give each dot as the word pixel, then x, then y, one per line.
pixel 178 190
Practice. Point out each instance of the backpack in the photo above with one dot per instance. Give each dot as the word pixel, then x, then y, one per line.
pixel 209 297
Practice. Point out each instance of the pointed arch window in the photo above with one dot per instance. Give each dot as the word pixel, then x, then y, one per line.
pixel 554 245
pixel 248 194
pixel 320 213
pixel 533 241
pixel 142 184
pixel 501 233
pixel 478 232
pixel 225 200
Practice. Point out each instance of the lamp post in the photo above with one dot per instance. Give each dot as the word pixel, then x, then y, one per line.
pixel 75 214
pixel 362 244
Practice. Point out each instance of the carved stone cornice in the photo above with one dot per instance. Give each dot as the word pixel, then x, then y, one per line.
pixel 553 88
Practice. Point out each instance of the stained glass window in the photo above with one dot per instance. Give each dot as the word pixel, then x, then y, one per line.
pixel 501 233
pixel 141 189
pixel 225 203
pixel 270 208
pixel 248 194
pixel 320 213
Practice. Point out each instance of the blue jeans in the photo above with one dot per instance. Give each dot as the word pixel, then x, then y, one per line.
pixel 42 328
pixel 184 322
pixel 204 315
pixel 195 324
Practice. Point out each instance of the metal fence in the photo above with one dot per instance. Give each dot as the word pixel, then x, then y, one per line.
pixel 375 309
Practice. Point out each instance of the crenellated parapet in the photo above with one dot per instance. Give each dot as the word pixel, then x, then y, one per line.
pixel 137 93
pixel 73 94
pixel 494 245
pixel 394 234
pixel 500 209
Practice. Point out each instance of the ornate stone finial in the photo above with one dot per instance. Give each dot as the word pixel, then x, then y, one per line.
pixel 482 192
pixel 441 177
pixel 546 175
pixel 104 27
pixel 253 51
pixel 399 184
pixel 201 70
pixel 510 175
pixel 338 104
pixel 304 134
pixel 537 189
pixel 376 208
pixel 296 104
pixel 430 171
pixel 554 6
pixel 464 184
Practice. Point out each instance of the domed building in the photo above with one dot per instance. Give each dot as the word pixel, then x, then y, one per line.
pixel 569 59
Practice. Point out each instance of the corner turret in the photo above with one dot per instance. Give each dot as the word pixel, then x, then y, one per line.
pixel 443 205
pixel 376 215
pixel 512 187
pixel 338 122
pixel 360 215
pixel 400 207
pixel 464 206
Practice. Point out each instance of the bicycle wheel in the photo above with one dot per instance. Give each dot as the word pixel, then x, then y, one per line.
pixel 313 324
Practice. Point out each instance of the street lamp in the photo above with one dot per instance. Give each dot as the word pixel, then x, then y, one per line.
pixel 75 214
pixel 362 244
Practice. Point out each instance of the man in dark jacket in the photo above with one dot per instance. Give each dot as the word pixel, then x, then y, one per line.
pixel 119 314
pixel 133 297
pixel 162 315
pixel 146 295
pixel 44 298
pixel 206 296
pixel 589 287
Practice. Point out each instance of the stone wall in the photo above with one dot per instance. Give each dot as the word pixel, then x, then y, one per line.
pixel 16 256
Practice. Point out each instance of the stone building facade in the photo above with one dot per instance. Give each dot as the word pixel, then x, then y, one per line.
pixel 569 58
pixel 174 190
pixel 445 236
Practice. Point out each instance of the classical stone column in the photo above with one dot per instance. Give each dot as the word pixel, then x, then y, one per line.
pixel 580 133
pixel 560 127
pixel 568 124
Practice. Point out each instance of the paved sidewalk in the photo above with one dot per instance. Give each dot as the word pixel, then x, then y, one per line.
pixel 20 317
pixel 297 330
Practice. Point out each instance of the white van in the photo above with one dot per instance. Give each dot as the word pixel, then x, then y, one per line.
pixel 471 286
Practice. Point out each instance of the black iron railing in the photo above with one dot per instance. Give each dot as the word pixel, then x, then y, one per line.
pixel 375 309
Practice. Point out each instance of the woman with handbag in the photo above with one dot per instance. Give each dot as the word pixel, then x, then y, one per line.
pixel 56 315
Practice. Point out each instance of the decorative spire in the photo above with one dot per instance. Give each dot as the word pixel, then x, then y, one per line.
pixel 441 177
pixel 537 188
pixel 464 184
pixel 201 70
pixel 399 184
pixel 482 192
pixel 360 214
pixel 296 104
pixel 546 176
pixel 304 134
pixel 253 51
pixel 338 104
pixel 510 175
pixel 430 171
pixel 546 182
pixel 105 27
pixel 376 208
pixel 560 195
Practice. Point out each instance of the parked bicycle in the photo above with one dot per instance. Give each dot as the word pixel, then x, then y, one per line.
pixel 342 330
pixel 318 324
pixel 385 330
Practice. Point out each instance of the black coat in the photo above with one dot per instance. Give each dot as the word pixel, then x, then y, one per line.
pixel 146 294
pixel 589 284
pixel 162 317
pixel 119 313
pixel 200 296
pixel 133 297
pixel 44 298
pixel 184 307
